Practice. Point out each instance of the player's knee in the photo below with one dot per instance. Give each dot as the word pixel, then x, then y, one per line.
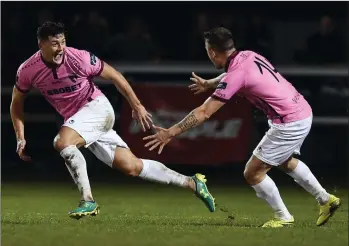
pixel 130 167
pixel 136 168
pixel 252 178
pixel 247 174
pixel 59 143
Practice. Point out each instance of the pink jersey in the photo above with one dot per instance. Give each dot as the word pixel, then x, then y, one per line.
pixel 251 75
pixel 68 86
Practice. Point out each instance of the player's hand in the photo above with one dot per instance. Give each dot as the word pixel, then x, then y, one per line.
pixel 143 118
pixel 201 85
pixel 160 139
pixel 20 150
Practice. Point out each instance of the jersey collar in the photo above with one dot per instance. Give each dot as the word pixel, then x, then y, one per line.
pixel 52 65
pixel 230 59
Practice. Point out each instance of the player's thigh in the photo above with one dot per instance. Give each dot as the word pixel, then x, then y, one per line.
pixel 282 141
pixel 93 120
pixel 114 152
pixel 66 137
pixel 255 170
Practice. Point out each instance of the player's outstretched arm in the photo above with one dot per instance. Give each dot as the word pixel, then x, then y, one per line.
pixel 17 116
pixel 197 116
pixel 138 111
pixel 201 85
pixel 193 119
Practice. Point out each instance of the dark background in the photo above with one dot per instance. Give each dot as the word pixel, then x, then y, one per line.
pixel 298 34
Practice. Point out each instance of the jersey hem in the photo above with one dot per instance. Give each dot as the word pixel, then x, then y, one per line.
pixel 219 98
pixel 101 69
pixel 21 90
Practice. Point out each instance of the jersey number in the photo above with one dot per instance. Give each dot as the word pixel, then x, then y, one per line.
pixel 262 64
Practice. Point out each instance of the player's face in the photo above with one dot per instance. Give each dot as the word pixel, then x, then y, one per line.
pixel 53 48
pixel 212 54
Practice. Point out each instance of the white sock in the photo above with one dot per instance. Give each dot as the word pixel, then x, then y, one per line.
pixel 305 178
pixel 72 173
pixel 268 191
pixel 76 164
pixel 158 172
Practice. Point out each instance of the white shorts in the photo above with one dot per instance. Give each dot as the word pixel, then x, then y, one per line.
pixel 281 141
pixel 94 122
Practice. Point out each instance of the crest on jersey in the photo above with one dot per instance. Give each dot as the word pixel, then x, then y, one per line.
pixel 73 77
pixel 93 59
pixel 222 85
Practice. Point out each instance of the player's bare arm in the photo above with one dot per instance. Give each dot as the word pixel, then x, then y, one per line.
pixel 139 113
pixel 17 116
pixel 193 119
pixel 201 85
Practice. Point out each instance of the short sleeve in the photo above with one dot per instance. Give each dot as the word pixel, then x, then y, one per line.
pixel 229 85
pixel 92 65
pixel 23 81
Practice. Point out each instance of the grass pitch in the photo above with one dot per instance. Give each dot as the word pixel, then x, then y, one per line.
pixel 36 214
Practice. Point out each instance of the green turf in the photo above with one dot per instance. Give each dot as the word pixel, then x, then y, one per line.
pixel 36 214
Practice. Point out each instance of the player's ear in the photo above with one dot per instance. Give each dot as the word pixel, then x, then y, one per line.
pixel 213 52
pixel 39 43
pixel 42 43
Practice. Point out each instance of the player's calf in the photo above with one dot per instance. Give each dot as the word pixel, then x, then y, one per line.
pixel 66 143
pixel 301 173
pixel 129 164
pixel 305 178
pixel 155 171
pixel 126 162
pixel 256 176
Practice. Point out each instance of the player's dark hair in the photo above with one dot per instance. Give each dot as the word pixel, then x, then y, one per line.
pixel 220 39
pixel 49 29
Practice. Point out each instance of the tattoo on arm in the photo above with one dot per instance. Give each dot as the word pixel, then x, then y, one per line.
pixel 188 122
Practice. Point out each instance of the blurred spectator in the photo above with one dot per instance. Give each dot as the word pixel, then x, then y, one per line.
pixel 76 31
pixel 196 47
pixel 135 45
pixel 259 37
pixel 45 15
pixel 97 32
pixel 13 51
pixel 89 32
pixel 326 46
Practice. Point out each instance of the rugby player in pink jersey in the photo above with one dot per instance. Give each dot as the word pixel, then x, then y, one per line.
pixel 64 76
pixel 250 75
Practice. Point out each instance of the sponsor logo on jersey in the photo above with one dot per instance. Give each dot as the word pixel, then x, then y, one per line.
pixel 93 59
pixel 222 85
pixel 64 89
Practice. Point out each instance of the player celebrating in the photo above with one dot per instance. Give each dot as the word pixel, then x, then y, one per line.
pixel 64 76
pixel 290 117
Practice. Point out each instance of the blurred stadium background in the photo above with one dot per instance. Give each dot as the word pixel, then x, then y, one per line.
pixel 156 46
